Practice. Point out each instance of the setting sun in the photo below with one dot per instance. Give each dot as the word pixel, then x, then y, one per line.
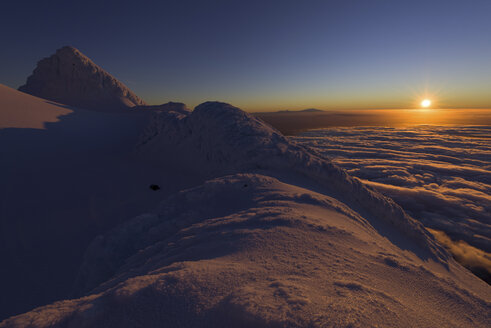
pixel 426 103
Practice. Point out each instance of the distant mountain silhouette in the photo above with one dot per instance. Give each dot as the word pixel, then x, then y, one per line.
pixel 71 78
pixel 308 110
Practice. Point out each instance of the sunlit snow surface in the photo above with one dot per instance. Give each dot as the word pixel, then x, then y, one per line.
pixel 441 175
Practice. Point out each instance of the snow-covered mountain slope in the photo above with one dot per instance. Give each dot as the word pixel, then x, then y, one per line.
pixel 24 111
pixel 250 251
pixel 278 236
pixel 69 77
pixel 66 175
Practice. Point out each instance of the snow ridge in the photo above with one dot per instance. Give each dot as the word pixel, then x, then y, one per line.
pixel 247 250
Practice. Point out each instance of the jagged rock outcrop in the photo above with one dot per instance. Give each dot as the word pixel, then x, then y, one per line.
pixel 69 77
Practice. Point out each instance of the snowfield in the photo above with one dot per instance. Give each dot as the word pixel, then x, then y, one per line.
pixel 440 175
pixel 249 229
pixel 24 111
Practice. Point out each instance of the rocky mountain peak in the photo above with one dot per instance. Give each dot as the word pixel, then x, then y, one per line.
pixel 71 78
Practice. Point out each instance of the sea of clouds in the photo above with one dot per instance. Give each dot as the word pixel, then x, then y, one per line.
pixel 441 175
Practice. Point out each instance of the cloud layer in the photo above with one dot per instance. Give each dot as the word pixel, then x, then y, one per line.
pixel 440 175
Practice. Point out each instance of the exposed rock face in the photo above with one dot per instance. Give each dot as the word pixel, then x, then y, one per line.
pixel 71 78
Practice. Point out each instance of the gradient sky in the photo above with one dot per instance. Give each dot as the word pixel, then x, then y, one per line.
pixel 267 55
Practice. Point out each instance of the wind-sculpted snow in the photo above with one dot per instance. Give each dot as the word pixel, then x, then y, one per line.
pixel 217 139
pixel 250 251
pixel 440 175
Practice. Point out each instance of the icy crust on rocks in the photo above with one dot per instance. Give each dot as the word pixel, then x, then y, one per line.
pixel 250 251
pixel 69 77
pixel 167 107
pixel 218 139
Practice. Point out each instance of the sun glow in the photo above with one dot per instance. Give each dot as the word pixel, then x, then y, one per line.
pixel 426 103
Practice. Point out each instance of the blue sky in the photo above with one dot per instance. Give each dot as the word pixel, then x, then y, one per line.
pixel 267 55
